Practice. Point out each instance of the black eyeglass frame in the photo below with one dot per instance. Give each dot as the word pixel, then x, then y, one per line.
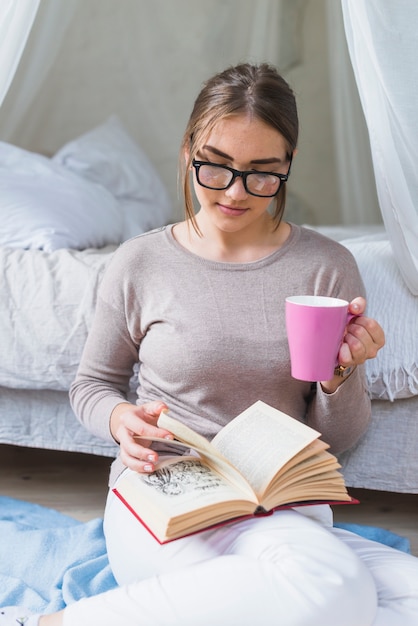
pixel 283 178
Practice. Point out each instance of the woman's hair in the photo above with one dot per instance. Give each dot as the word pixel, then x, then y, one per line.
pixel 256 90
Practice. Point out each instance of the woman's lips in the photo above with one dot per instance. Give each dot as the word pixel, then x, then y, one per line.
pixel 228 210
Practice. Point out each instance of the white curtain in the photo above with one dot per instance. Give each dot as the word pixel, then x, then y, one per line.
pixel 16 19
pixel 52 19
pixel 383 45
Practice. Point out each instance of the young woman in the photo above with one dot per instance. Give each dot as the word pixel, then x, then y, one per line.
pixel 200 306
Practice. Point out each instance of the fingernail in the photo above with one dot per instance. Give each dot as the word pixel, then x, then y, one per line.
pixel 148 468
pixel 150 457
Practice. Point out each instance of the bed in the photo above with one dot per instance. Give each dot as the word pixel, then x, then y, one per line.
pixel 99 190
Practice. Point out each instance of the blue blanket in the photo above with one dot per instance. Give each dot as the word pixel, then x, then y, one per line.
pixel 49 560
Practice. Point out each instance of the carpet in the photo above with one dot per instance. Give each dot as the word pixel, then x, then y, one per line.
pixel 49 560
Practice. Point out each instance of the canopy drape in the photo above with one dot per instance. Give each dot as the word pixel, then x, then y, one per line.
pixel 383 46
pixel 16 19
pixel 52 20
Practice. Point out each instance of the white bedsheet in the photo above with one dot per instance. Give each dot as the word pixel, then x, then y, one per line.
pixel 46 308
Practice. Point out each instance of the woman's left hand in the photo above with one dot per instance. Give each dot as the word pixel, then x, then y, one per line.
pixel 363 339
pixel 364 336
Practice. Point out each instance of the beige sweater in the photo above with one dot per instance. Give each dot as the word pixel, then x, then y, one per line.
pixel 210 336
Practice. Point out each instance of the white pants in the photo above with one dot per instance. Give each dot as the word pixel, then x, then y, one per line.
pixel 288 569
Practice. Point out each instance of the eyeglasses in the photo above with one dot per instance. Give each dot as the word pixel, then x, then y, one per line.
pixel 219 177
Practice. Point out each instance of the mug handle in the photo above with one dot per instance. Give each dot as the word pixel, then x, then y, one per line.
pixel 351 316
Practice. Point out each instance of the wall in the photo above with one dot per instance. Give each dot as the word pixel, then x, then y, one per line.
pixel 314 176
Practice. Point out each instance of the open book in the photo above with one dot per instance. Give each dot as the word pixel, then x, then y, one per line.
pixel 262 460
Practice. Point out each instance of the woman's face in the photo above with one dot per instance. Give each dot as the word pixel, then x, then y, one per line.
pixel 242 143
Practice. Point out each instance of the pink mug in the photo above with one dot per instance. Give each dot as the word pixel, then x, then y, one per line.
pixel 315 329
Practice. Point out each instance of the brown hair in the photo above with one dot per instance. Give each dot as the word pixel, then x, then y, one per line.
pixel 256 90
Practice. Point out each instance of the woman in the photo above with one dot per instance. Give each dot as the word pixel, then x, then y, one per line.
pixel 200 306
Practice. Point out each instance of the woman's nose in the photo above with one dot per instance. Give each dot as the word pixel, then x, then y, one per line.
pixel 237 189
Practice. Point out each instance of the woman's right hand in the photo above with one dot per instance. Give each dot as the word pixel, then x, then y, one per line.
pixel 127 422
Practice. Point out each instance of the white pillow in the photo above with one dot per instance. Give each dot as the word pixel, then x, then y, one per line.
pixel 393 374
pixel 109 156
pixel 43 205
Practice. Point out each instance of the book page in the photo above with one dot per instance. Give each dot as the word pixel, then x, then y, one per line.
pixel 259 441
pixel 185 434
pixel 188 438
pixel 322 470
pixel 183 488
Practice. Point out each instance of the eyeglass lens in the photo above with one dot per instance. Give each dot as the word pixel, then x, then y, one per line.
pixel 218 177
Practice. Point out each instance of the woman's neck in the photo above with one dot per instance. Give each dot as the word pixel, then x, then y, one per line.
pixel 242 246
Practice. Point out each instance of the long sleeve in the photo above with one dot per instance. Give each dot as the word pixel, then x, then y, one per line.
pixel 106 367
pixel 343 416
